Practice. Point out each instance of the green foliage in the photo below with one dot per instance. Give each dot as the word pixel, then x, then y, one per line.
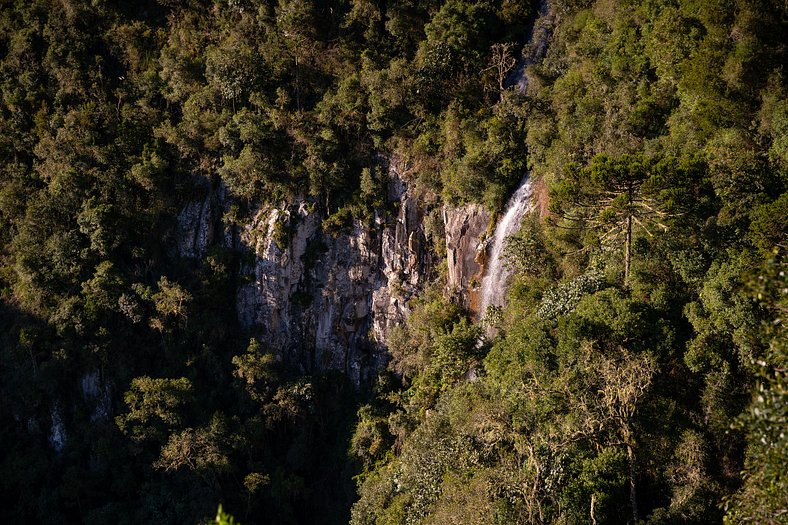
pixel 222 518
pixel 154 407
pixel 762 496
pixel 526 252
pixel 564 298
pixel 640 121
pixel 660 128
pixel 255 368
pixel 171 300
pixel 436 349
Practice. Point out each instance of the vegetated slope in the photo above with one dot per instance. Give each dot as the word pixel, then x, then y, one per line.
pixel 639 366
pixel 129 391
pixel 130 394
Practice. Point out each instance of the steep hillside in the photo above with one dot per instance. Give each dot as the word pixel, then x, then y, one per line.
pixel 447 261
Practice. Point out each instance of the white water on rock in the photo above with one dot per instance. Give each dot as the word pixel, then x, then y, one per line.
pixel 496 274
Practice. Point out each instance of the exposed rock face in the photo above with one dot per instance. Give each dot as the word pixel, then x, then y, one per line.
pixel 57 433
pixel 329 302
pixel 96 394
pixel 325 302
pixel 466 229
pixel 199 222
pixel 405 261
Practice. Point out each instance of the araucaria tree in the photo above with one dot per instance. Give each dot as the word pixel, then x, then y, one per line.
pixel 613 197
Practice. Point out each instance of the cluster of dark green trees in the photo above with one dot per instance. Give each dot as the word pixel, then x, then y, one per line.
pixel 638 372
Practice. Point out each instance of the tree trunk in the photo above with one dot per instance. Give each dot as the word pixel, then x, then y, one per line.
pixel 628 242
pixel 627 251
pixel 632 487
pixel 298 85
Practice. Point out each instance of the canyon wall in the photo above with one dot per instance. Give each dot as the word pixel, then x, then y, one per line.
pixel 326 301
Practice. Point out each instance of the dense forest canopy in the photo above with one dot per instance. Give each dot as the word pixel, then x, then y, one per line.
pixel 636 375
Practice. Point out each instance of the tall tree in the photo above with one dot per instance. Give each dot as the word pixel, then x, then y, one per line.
pixel 614 197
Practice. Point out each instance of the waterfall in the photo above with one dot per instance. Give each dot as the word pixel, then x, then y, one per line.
pixel 497 275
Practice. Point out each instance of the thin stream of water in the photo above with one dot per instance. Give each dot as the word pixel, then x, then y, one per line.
pixel 497 275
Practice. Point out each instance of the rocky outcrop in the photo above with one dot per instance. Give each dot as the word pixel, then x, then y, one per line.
pixel 57 432
pixel 326 302
pixel 199 224
pixel 466 230
pixel 96 395
pixel 405 260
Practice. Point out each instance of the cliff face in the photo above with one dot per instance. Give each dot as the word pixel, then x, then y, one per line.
pixel 199 224
pixel 326 302
pixel 466 229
